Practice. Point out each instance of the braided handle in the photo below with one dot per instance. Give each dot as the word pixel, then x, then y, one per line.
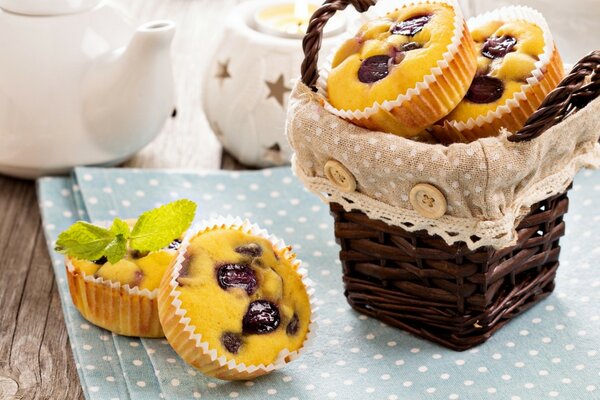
pixel 573 93
pixel 311 44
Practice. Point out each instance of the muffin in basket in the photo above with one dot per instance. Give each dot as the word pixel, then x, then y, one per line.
pixel 518 65
pixel 404 71
pixel 114 273
pixel 235 305
pixel 449 243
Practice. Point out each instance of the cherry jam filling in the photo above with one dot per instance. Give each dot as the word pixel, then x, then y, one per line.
pixel 101 261
pixel 237 275
pixel 261 317
pixel 411 26
pixel 292 327
pixel 174 245
pixel 498 47
pixel 409 46
pixel 374 69
pixel 485 89
pixel 231 341
pixel 250 249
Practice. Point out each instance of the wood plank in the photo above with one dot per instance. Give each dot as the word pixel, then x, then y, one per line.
pixel 35 360
pixel 35 356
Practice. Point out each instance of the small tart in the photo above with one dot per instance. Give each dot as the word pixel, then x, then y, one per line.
pixel 403 72
pixel 235 304
pixel 121 297
pixel 517 66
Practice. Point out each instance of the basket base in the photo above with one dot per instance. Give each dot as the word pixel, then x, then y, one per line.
pixel 467 331
pixel 449 295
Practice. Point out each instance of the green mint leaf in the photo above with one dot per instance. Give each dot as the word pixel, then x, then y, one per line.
pixel 84 240
pixel 157 228
pixel 116 249
pixel 120 227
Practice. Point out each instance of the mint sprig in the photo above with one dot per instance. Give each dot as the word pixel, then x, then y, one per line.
pixel 154 230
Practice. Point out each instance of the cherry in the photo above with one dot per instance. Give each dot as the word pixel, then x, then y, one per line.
pixel 485 89
pixel 174 245
pixel 409 46
pixel 292 327
pixel 237 275
pixel 250 249
pixel 498 47
pixel 231 341
pixel 373 69
pixel 101 261
pixel 411 26
pixel 262 317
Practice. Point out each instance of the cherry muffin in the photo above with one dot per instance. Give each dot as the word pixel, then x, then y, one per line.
pixel 235 305
pixel 404 71
pixel 121 297
pixel 517 66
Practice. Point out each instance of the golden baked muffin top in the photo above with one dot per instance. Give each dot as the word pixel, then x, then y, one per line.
pixel 245 298
pixel 507 53
pixel 390 55
pixel 144 271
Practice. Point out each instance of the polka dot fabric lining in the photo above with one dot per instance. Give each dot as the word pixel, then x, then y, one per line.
pixel 552 352
pixel 489 184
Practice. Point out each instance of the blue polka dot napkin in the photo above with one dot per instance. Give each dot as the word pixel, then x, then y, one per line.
pixel 550 352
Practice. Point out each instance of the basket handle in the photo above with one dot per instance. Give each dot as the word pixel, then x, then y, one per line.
pixel 574 92
pixel 311 44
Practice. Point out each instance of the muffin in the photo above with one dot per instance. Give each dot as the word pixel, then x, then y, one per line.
pixel 121 297
pixel 404 71
pixel 235 304
pixel 114 270
pixel 517 66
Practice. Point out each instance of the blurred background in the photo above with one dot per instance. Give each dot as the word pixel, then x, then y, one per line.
pixel 575 25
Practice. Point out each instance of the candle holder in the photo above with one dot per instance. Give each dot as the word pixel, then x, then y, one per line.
pixel 247 84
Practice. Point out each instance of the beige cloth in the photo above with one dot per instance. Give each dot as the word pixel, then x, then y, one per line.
pixel 489 184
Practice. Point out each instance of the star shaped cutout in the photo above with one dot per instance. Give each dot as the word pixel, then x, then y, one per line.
pixel 223 71
pixel 277 89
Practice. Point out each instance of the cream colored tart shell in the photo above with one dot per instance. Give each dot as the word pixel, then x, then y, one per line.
pixel 183 336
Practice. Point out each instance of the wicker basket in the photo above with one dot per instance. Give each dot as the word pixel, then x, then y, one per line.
pixel 449 294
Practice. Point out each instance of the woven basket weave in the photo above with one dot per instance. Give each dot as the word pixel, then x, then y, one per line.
pixel 447 293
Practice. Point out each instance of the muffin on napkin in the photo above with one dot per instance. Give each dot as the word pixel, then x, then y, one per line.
pixel 236 303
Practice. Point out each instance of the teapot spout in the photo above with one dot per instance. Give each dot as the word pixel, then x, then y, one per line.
pixel 128 94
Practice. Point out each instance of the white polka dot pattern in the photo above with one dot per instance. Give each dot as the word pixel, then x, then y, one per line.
pixel 551 352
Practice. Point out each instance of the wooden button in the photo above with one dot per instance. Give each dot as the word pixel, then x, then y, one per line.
pixel 428 201
pixel 339 176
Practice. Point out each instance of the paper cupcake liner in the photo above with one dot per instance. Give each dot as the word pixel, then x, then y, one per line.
pixel 110 305
pixel 183 336
pixel 430 99
pixel 514 112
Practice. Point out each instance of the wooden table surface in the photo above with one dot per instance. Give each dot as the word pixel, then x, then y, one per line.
pixel 35 357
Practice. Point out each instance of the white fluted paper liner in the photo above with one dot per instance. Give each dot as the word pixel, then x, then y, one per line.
pixel 182 335
pixel 512 13
pixel 442 67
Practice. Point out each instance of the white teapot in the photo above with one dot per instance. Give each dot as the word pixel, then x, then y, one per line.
pixel 79 84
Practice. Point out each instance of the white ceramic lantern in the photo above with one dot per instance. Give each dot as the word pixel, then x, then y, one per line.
pixel 246 88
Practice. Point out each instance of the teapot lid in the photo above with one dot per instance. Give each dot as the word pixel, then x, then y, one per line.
pixel 47 7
